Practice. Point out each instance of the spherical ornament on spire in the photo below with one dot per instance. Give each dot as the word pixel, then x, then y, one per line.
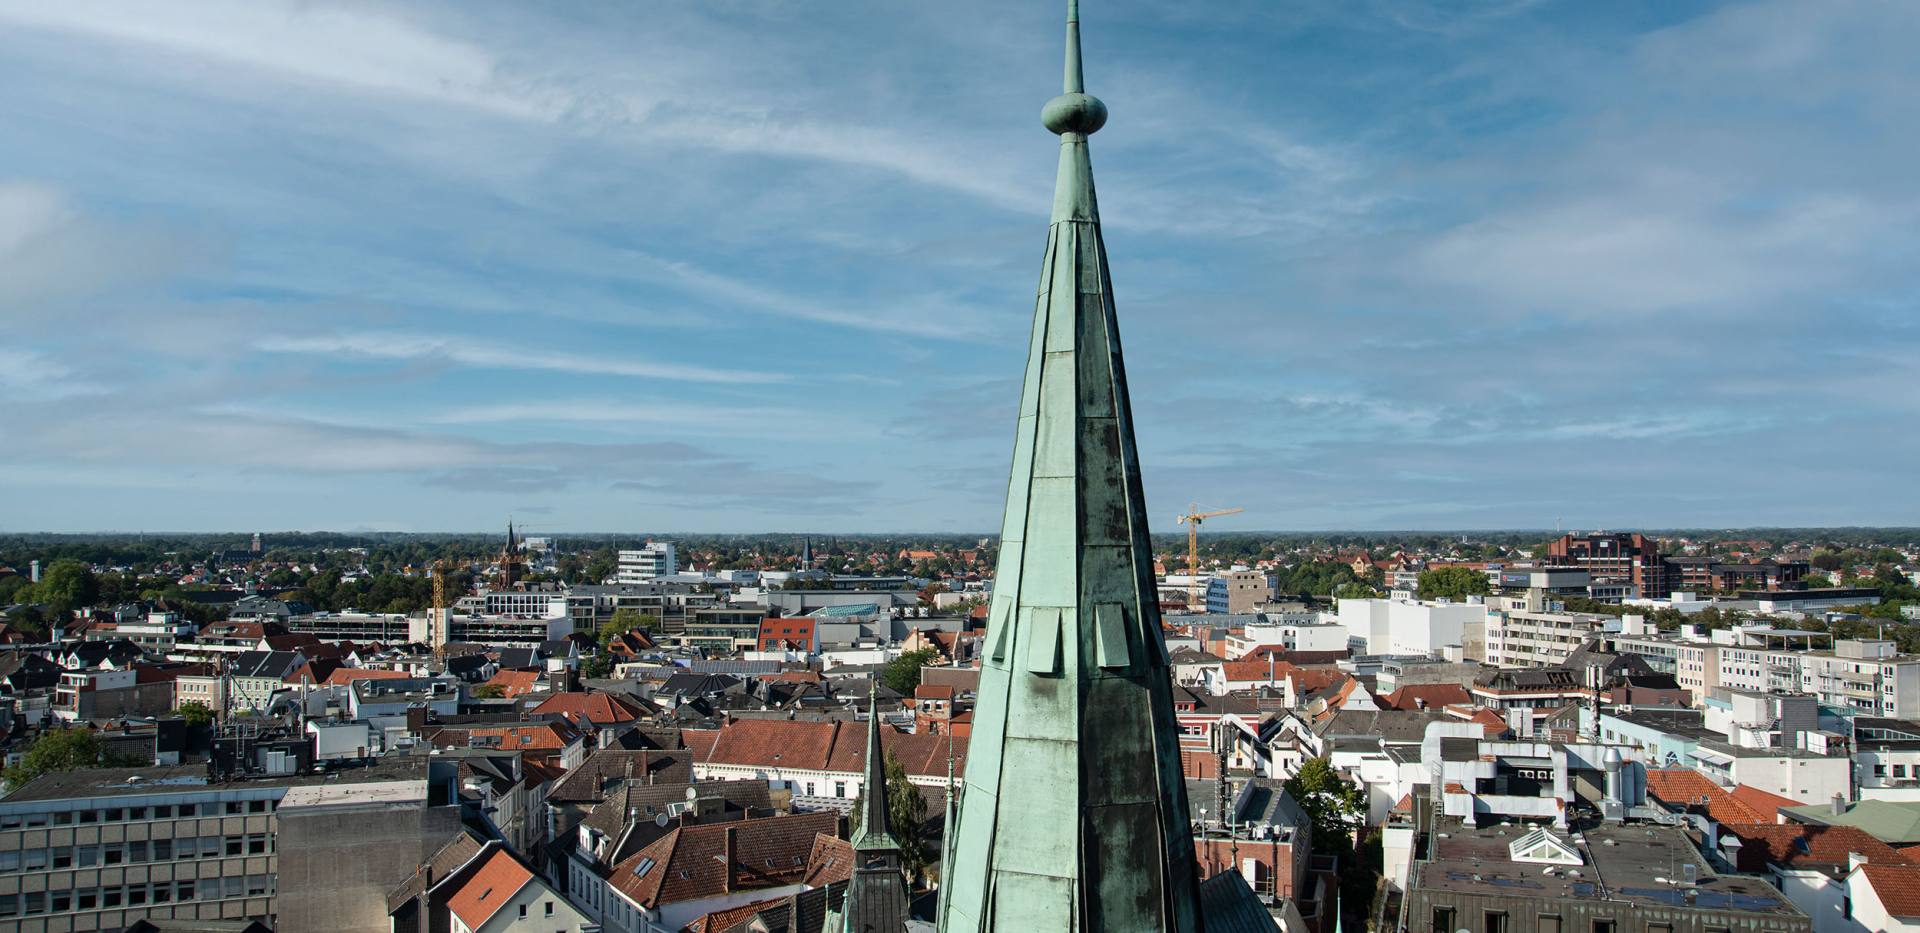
pixel 1074 113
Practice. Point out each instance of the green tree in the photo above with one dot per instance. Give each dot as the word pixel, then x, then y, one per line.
pixel 906 817
pixel 196 713
pixel 1355 590
pixel 1333 804
pixel 66 586
pixel 624 621
pixel 596 667
pixel 902 674
pixel 1452 583
pixel 1336 808
pixel 66 750
pixel 489 692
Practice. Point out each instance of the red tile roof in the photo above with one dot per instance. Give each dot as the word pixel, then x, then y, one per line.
pixel 488 889
pixel 831 860
pixel 599 709
pixel 727 918
pixel 690 862
pixel 933 692
pixel 547 736
pixel 346 675
pixel 1434 695
pixel 514 683
pixel 828 746
pixel 1683 787
pixel 1768 804
pixel 700 742
pixel 1797 845
pixel 1897 886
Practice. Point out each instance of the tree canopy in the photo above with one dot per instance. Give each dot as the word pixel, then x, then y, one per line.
pixel 902 674
pixel 1452 583
pixel 66 750
pixel 906 816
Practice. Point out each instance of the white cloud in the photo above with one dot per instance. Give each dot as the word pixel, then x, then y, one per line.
pixel 322 45
pixel 400 346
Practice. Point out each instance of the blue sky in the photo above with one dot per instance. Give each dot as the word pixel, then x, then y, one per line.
pixel 743 266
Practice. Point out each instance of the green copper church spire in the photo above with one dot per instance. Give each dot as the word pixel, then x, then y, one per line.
pixel 876 899
pixel 1073 815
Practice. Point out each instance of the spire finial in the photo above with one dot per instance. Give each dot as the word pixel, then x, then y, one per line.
pixel 1074 111
pixel 1076 82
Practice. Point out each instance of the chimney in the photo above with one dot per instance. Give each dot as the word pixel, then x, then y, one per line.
pixel 416 720
pixel 1839 805
pixel 727 877
pixel 1854 861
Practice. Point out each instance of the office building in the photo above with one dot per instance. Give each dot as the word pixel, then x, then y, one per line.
pixel 646 563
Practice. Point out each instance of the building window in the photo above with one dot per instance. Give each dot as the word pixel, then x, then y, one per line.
pixel 1443 919
pixel 1603 926
pixel 1496 921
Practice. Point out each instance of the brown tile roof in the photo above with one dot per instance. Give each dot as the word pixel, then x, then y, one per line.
pixel 1797 845
pixel 490 887
pixel 718 920
pixel 691 862
pixel 829 746
pixel 547 736
pixel 1683 787
pixel 599 709
pixel 1766 803
pixel 831 860
pixel 514 683
pixel 457 852
pixel 1256 669
pixel 346 675
pixel 1434 695
pixel 1897 886
pixel 700 742
pixel 596 776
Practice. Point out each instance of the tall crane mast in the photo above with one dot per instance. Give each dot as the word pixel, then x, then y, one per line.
pixel 1192 520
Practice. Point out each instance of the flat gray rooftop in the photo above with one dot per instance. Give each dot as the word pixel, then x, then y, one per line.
pixel 128 782
pixel 1640 865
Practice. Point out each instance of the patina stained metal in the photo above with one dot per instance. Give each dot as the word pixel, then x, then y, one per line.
pixel 1073 814
pixel 876 900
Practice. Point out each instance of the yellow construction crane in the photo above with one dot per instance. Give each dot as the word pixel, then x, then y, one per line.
pixel 1192 520
pixel 438 622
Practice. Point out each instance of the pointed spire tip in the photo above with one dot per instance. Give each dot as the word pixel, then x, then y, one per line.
pixel 1074 111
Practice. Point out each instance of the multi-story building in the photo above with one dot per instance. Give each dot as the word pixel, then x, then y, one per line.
pixel 144 690
pixel 359 627
pixel 1404 626
pixel 646 563
pixel 100 849
pixel 723 628
pixel 1612 878
pixel 525 631
pixel 1238 591
pixel 155 633
pixel 1866 675
pixel 1704 574
pixel 1529 635
pixel 1618 557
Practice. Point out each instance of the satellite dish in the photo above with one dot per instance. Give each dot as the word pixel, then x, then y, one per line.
pixel 692 793
pixel 660 821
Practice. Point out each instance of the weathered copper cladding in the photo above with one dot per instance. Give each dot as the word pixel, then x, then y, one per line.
pixel 1073 814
